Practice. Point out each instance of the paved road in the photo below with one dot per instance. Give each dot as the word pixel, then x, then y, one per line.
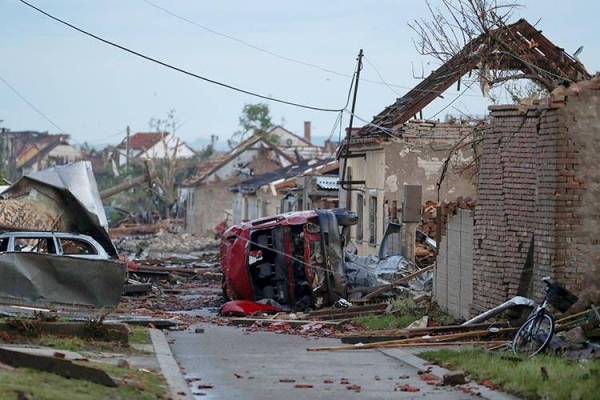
pixel 230 363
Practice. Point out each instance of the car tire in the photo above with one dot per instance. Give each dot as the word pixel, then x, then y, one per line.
pixel 345 217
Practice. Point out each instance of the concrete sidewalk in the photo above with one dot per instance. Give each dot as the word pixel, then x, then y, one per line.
pixel 178 386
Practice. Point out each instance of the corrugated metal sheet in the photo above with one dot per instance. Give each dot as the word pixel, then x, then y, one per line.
pixel 328 182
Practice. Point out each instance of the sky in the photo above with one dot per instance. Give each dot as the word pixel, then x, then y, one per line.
pixel 56 79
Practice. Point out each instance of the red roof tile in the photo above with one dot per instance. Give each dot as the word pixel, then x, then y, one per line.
pixel 143 140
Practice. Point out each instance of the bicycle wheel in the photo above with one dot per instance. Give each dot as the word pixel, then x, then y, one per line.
pixel 534 335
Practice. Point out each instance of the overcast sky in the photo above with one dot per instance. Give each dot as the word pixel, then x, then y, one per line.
pixel 53 78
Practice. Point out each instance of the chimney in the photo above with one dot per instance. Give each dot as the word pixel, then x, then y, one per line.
pixel 307 131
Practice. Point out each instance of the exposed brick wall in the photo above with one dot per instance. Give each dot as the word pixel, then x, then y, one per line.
pixel 538 193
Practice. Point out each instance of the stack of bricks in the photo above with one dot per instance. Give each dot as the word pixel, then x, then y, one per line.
pixel 538 210
pixel 429 215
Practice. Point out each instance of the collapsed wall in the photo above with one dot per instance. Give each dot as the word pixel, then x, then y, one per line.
pixel 538 207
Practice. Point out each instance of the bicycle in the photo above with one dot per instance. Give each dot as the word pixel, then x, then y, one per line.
pixel 536 332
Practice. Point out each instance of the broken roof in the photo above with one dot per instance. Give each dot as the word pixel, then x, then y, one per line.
pixel 519 46
pixel 30 146
pixel 253 184
pixel 210 169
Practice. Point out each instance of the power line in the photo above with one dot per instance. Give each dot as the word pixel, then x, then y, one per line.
pixel 164 64
pixel 273 54
pixel 109 136
pixel 32 106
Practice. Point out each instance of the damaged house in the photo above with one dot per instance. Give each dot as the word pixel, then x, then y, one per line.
pixel 275 150
pixel 531 217
pixel 28 151
pixel 205 195
pixel 286 189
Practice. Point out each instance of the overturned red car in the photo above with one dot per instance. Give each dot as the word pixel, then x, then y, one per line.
pixel 295 259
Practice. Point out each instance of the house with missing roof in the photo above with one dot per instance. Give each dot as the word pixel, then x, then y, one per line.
pixel 527 176
pixel 25 152
pixel 307 184
pixel 212 197
pixel 205 196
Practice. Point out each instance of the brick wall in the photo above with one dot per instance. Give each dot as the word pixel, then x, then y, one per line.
pixel 538 208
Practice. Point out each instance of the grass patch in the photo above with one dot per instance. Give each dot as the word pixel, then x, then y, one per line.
pixel 132 384
pixel 404 312
pixel 139 335
pixel 540 377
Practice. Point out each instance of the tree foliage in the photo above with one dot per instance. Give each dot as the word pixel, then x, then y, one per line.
pixel 255 119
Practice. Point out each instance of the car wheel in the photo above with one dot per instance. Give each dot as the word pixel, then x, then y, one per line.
pixel 345 217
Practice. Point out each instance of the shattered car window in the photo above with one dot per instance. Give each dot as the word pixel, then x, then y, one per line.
pixel 73 246
pixel 35 244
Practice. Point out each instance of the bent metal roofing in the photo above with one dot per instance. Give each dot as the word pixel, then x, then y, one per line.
pixel 253 184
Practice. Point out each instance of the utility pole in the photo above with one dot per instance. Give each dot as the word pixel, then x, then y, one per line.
pixel 127 151
pixel 346 154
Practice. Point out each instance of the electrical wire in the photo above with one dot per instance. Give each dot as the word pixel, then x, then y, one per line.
pixel 32 106
pixel 109 136
pixel 273 54
pixel 164 64
pixel 453 100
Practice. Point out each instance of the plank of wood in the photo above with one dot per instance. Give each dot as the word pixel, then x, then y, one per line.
pixel 396 334
pixel 406 278
pixel 404 345
pixel 426 339
pixel 330 311
pixel 294 323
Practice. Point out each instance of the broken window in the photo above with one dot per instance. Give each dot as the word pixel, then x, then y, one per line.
pixel 373 217
pixel 35 244
pixel 73 246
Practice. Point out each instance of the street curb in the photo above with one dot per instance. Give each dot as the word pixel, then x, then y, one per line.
pixel 409 357
pixel 169 368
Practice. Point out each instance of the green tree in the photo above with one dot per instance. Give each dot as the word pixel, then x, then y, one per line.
pixel 255 119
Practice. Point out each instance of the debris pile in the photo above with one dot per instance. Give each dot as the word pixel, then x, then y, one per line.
pixel 430 217
pixel 164 243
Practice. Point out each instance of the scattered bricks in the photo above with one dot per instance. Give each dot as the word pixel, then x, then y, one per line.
pixel 407 388
pixel 454 378
pixel 488 384
pixel 303 386
pixel 327 381
pixel 428 377
pixel 344 381
pixel 354 388
pixel 199 330
pixel 203 386
pixel 238 376
pixel 59 354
